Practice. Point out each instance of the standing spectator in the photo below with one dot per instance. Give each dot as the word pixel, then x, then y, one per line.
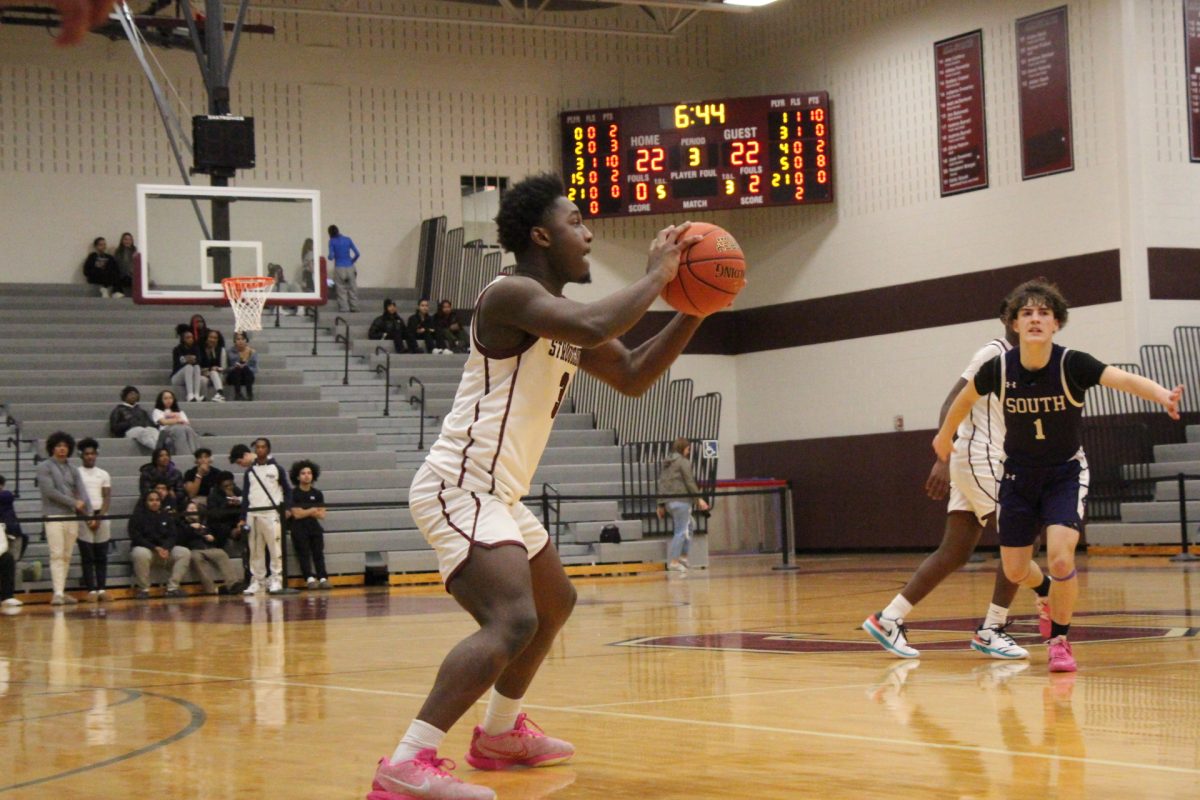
pixel 10 528
pixel 125 254
pixel 185 365
pixel 308 537
pixel 154 536
pixel 94 533
pixel 676 479
pixel 63 502
pixel 344 256
pixel 308 277
pixel 388 325
pixel 128 420
pixel 169 416
pixel 243 367
pixel 451 338
pixel 266 489
pixel 199 481
pixel 214 363
pixel 224 512
pixel 160 470
pixel 100 269
pixel 207 555
pixel 420 326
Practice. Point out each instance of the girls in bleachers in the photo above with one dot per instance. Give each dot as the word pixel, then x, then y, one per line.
pixel 213 364
pixel 243 367
pixel 169 416
pixel 185 366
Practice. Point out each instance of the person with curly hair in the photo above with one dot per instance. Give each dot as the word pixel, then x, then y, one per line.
pixel 64 502
pixel 308 537
pixel 507 575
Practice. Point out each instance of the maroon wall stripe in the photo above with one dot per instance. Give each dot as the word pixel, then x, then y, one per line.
pixel 844 499
pixel 1174 273
pixel 1088 279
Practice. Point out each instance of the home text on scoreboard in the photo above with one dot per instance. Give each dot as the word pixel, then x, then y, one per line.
pixel 739 152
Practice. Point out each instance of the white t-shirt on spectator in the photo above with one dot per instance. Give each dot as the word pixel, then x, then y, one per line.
pixel 94 480
pixel 158 415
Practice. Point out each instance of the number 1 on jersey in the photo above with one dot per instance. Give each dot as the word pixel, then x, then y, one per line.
pixel 1037 425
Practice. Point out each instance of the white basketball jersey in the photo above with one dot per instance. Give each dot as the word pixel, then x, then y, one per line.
pixel 493 437
pixel 981 434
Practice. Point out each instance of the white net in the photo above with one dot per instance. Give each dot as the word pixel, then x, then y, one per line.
pixel 247 296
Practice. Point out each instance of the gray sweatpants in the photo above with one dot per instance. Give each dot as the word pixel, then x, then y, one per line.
pixel 210 561
pixel 346 279
pixel 143 558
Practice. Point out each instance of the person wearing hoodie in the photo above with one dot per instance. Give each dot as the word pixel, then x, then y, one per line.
pixel 185 366
pixel 154 541
pixel 207 553
pixel 420 326
pixel 675 480
pixel 64 502
pixel 388 325
pixel 128 420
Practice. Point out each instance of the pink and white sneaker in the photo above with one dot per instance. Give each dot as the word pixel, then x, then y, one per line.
pixel 423 777
pixel 1061 658
pixel 526 745
pixel 1043 609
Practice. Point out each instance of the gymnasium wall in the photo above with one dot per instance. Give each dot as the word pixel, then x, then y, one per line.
pixel 856 312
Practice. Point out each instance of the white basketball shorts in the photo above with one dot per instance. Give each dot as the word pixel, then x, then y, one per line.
pixel 455 521
pixel 974 487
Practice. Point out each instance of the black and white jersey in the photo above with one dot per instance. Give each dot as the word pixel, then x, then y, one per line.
pixel 1043 409
pixel 981 434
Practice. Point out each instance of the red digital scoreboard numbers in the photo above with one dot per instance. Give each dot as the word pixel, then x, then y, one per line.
pixel 743 152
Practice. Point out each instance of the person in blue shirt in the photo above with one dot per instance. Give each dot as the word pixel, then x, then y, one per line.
pixel 344 255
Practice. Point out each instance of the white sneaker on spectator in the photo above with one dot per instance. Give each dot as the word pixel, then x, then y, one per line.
pixel 219 397
pixel 93 596
pixel 254 588
pixel 275 585
pixel 11 602
pixel 118 294
pixel 310 583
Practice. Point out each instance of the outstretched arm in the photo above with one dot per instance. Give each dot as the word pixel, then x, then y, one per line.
pixel 632 372
pixel 943 443
pixel 1117 378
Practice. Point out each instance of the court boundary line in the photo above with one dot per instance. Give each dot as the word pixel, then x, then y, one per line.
pixel 599 712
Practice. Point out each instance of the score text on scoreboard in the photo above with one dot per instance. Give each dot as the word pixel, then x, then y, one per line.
pixel 735 153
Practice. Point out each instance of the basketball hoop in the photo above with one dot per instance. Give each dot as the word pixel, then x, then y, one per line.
pixel 247 296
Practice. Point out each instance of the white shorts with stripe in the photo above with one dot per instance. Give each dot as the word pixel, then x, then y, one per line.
pixel 455 521
pixel 974 487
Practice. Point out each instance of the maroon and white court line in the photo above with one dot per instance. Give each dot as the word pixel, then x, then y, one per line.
pixel 937 634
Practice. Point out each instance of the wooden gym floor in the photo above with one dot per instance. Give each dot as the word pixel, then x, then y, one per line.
pixel 736 682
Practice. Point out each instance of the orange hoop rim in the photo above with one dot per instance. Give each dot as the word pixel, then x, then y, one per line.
pixel 235 286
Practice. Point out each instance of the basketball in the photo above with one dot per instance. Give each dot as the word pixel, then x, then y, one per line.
pixel 711 272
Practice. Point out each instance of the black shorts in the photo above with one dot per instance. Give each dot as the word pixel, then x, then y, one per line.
pixel 1033 497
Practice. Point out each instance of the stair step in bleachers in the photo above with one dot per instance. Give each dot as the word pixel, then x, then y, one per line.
pixel 197 412
pixel 1157 522
pixel 218 428
pixel 136 377
pixel 112 361
pixel 110 393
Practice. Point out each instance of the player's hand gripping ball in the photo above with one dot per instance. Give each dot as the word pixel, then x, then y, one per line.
pixel 711 272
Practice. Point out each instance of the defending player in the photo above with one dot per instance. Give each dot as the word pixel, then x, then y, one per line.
pixel 973 475
pixel 1041 387
pixel 495 558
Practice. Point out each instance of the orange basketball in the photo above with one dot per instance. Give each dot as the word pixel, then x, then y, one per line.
pixel 711 272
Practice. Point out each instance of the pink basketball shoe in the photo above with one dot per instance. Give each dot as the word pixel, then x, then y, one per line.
pixel 1061 659
pixel 423 777
pixel 525 745
pixel 1043 609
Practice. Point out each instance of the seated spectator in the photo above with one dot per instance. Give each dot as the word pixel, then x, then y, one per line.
pixel 160 470
pixel 213 364
pixel 388 325
pixel 420 327
pixel 243 367
pixel 199 481
pixel 308 537
pixel 125 255
pixel 451 337
pixel 170 417
pixel 170 500
pixel 101 269
pixel 207 555
pixel 224 513
pixel 128 420
pixel 154 538
pixel 13 547
pixel 200 329
pixel 282 286
pixel 185 366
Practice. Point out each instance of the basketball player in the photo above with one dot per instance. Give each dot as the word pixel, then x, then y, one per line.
pixel 494 556
pixel 1041 387
pixel 973 474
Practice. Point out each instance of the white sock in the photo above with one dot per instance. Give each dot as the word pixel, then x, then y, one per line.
pixel 420 736
pixel 996 615
pixel 501 714
pixel 899 608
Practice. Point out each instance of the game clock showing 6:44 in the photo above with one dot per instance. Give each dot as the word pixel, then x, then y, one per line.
pixel 742 152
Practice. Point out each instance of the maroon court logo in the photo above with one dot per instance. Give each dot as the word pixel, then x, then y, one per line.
pixel 934 634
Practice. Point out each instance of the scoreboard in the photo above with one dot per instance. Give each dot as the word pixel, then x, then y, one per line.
pixel 740 152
